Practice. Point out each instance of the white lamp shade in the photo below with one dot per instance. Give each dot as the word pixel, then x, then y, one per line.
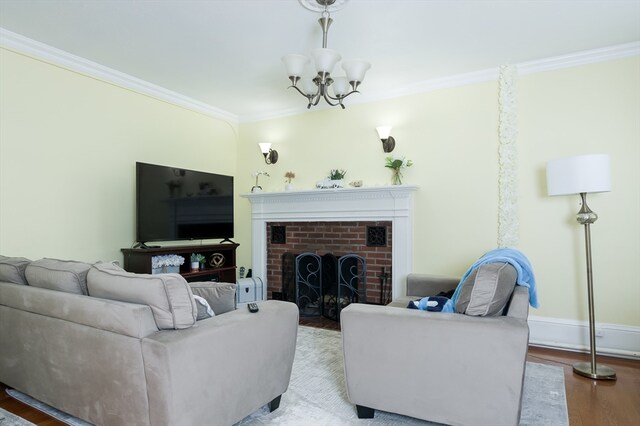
pixel 295 64
pixel 308 87
pixel 325 59
pixel 355 69
pixel 340 86
pixel 265 147
pixel 575 175
pixel 384 132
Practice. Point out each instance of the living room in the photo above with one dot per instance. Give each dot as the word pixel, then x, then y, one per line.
pixel 70 138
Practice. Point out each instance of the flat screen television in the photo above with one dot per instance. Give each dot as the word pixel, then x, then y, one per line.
pixel 179 204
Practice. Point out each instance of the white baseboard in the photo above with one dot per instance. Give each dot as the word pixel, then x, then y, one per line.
pixel 611 339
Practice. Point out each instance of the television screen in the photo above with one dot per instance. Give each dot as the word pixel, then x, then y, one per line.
pixel 179 204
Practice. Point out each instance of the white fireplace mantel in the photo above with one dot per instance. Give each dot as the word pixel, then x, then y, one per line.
pixel 388 203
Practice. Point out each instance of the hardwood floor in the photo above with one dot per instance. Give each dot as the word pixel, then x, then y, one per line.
pixel 590 402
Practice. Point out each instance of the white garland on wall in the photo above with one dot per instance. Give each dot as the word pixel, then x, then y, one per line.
pixel 508 224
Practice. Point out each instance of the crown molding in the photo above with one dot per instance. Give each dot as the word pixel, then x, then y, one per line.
pixel 580 58
pixel 41 51
pixel 27 46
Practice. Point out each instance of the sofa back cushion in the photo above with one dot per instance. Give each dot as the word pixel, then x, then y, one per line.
pixel 487 290
pixel 168 295
pixel 12 269
pixel 62 275
pixel 220 296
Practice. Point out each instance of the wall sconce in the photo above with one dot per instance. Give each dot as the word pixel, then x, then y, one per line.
pixel 388 142
pixel 270 155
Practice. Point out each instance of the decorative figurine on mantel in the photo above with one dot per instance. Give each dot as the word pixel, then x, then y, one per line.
pixel 256 187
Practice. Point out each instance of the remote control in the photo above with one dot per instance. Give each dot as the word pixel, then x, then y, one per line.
pixel 253 307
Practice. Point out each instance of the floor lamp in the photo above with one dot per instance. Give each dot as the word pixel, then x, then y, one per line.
pixel 581 175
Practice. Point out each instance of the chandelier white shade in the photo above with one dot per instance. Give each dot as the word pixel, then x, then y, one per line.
pixel 580 174
pixel 324 61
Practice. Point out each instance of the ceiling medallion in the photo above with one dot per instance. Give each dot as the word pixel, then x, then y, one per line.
pixel 318 6
pixel 325 60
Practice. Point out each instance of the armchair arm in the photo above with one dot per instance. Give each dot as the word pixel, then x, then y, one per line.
pixel 222 369
pixel 447 368
pixel 423 285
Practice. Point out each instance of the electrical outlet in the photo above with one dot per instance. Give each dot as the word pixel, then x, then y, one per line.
pixel 599 332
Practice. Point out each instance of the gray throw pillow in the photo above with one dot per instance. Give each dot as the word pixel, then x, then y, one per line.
pixel 61 275
pixel 168 295
pixel 12 269
pixel 487 290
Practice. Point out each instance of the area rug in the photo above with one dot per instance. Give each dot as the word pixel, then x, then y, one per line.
pixel 10 419
pixel 317 393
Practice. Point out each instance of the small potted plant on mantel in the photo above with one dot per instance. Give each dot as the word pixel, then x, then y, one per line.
pixel 289 176
pixel 196 260
pixel 334 180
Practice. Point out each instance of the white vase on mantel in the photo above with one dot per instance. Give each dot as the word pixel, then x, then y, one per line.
pixel 288 187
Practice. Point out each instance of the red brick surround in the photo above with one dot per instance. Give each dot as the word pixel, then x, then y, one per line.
pixel 338 238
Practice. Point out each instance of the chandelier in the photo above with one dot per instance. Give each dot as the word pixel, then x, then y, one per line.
pixel 325 60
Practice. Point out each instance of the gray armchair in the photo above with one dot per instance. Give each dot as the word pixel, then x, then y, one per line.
pixel 449 368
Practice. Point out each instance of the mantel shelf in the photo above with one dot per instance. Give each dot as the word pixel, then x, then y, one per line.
pixel 362 192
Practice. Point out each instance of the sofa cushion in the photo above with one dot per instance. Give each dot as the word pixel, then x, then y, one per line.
pixel 62 275
pixel 487 290
pixel 221 296
pixel 168 295
pixel 12 269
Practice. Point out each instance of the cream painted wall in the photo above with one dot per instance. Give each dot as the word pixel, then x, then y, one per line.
pixel 68 144
pixel 452 137
pixel 68 147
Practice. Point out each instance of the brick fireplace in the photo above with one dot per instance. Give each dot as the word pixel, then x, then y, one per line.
pixel 369 239
pixel 345 212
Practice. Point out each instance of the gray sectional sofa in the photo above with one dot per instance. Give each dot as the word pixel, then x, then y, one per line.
pixel 115 348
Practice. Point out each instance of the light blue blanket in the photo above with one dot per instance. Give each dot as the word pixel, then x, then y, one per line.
pixel 513 257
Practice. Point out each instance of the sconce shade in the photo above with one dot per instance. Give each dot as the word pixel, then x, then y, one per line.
pixel 383 132
pixel 580 174
pixel 325 59
pixel 265 147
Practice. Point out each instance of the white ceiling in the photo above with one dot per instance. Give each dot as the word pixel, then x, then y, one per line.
pixel 226 53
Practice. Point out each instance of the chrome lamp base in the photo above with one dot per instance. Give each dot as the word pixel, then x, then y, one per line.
pixel 602 372
pixel 591 369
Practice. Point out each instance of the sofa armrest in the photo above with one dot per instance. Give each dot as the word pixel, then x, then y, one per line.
pixel 423 285
pixel 222 369
pixel 220 296
pixel 447 368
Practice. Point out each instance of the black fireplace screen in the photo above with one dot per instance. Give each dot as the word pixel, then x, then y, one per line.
pixel 323 285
